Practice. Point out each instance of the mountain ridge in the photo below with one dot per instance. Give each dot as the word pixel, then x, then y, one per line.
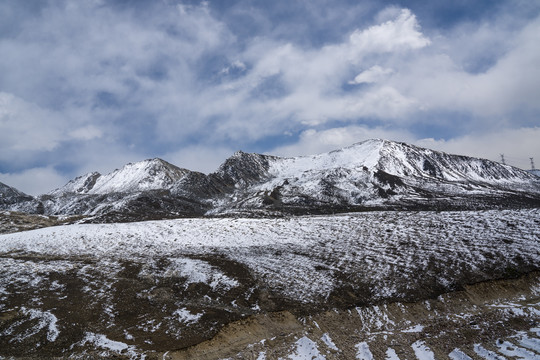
pixel 149 174
pixel 9 195
pixel 372 174
pixel 381 173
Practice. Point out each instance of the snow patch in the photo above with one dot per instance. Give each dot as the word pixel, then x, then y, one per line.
pixel 530 343
pixel 509 349
pixel 186 317
pixel 457 354
pixel 103 342
pixel 306 349
pixel 487 354
pixel 363 352
pixel 46 320
pixel 391 354
pixel 422 352
pixel 195 271
pixel 414 329
pixel 328 341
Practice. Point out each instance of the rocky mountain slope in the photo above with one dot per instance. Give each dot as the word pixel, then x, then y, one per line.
pixel 13 199
pixel 374 174
pixel 379 174
pixel 10 196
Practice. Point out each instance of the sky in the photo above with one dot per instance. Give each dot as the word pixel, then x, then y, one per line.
pixel 90 85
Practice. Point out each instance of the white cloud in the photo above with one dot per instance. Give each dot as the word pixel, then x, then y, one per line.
pixel 86 133
pixel 202 158
pixel 108 62
pixel 402 33
pixel 518 145
pixel 110 65
pixel 26 128
pixel 319 141
pixel 505 88
pixel 235 65
pixel 372 75
pixel 312 81
pixel 47 179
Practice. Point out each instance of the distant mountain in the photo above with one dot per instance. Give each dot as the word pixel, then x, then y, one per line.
pixel 151 174
pixel 16 200
pixel 11 196
pixel 374 174
pixel 137 191
pixel 535 172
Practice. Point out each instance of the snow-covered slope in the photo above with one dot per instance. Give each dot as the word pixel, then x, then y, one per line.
pixel 151 174
pixel 379 173
pixel 143 289
pixel 80 185
pixel 15 200
pixel 391 251
pixel 403 160
pixel 137 191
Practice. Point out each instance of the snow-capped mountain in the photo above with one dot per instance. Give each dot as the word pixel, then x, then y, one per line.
pixel 151 174
pixel 374 174
pixel 136 191
pixel 377 173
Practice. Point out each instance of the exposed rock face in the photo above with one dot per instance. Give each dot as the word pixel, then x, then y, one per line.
pixel 244 169
pixel 374 174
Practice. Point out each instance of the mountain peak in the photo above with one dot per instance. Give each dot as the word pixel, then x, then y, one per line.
pixel 149 174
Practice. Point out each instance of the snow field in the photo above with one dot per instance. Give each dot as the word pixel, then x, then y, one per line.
pixel 303 257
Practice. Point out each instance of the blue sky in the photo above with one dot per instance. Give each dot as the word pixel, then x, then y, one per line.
pixel 90 85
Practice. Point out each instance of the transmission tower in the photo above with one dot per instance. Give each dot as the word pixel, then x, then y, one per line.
pixel 502 159
pixel 532 164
